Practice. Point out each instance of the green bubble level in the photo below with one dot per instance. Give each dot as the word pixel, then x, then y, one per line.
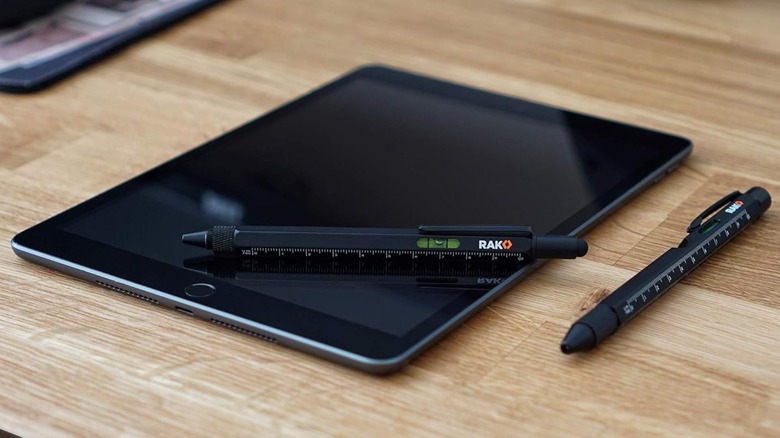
pixel 436 243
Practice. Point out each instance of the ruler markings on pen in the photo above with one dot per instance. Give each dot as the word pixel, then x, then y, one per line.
pixel 654 289
pixel 467 255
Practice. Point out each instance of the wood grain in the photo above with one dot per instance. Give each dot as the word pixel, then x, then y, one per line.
pixel 79 360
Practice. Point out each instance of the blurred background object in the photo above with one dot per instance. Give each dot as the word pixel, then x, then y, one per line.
pixel 13 12
pixel 51 39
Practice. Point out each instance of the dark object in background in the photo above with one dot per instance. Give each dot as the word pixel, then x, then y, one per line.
pixel 14 12
pixel 38 76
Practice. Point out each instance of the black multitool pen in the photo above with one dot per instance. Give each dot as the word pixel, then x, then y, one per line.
pixel 737 211
pixel 428 241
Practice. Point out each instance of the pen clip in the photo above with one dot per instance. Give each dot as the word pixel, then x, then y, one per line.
pixel 477 230
pixel 711 209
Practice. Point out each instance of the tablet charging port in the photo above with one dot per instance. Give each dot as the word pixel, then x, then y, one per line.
pixel 185 311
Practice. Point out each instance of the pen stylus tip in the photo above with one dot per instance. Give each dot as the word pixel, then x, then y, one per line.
pixel 582 247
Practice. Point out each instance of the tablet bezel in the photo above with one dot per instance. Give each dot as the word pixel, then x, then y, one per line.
pixel 316 332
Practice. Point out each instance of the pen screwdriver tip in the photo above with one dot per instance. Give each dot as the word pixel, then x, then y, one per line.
pixel 199 239
pixel 579 338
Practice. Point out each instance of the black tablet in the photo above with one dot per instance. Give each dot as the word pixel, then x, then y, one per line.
pixel 377 148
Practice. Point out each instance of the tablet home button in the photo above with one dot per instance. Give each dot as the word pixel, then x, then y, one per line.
pixel 199 290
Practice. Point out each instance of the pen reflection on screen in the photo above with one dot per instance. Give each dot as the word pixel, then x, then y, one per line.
pixel 442 274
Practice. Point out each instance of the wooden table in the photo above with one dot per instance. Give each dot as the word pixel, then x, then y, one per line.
pixel 703 361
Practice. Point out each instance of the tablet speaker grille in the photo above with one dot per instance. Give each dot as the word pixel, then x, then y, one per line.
pixel 244 331
pixel 127 292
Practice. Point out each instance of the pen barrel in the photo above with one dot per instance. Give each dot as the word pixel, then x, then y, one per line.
pixel 252 241
pixel 327 240
pixel 264 241
pixel 698 246
pixel 649 284
pixel 558 247
pixel 702 241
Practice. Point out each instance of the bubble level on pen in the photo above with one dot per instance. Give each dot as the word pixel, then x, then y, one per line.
pixel 437 243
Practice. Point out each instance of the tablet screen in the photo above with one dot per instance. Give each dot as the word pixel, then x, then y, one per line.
pixel 380 149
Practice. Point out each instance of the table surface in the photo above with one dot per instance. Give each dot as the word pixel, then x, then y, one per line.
pixel 702 361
